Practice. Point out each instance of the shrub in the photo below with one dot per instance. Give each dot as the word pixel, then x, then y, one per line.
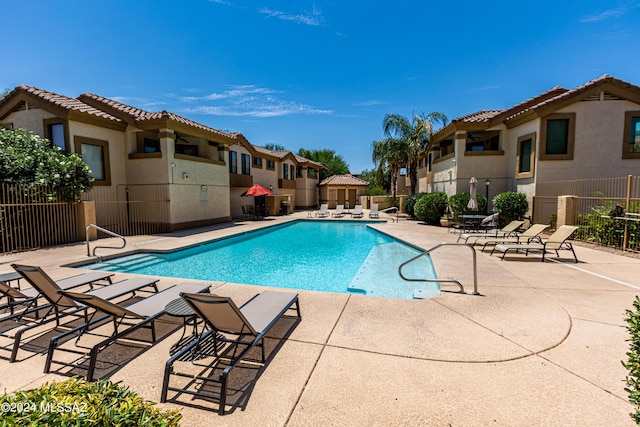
pixel 81 403
pixel 376 191
pixel 27 159
pixel 392 201
pixel 410 202
pixel 431 207
pixel 511 206
pixel 458 203
pixel 633 362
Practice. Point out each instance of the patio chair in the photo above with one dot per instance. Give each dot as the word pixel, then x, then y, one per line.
pixel 137 315
pixel 323 212
pixel 507 230
pixel 357 212
pixel 530 235
pixel 373 213
pixel 248 326
pixel 557 241
pixel 339 212
pixel 58 306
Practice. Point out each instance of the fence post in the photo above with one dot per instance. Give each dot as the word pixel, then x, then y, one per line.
pixel 625 239
pixel 86 216
pixel 567 210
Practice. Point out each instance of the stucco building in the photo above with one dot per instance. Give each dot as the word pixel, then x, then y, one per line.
pixel 188 173
pixel 591 131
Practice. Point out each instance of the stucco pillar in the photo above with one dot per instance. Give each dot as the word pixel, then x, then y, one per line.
pixel 567 210
pixel 86 215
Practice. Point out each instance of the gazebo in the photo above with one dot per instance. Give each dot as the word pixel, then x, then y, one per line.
pixel 342 190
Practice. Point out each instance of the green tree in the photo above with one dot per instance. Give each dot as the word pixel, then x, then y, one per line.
pixel 274 146
pixel 334 163
pixel 391 153
pixel 29 160
pixel 415 136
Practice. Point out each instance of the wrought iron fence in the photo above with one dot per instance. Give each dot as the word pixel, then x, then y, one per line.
pixel 131 210
pixel 596 200
pixel 34 217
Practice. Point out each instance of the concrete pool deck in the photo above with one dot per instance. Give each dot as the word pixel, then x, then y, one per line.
pixel 541 345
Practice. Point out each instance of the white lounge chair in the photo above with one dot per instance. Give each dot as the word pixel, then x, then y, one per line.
pixel 373 213
pixel 357 212
pixel 558 240
pixel 323 212
pixel 339 212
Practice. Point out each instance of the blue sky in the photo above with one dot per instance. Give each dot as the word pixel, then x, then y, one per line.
pixel 316 74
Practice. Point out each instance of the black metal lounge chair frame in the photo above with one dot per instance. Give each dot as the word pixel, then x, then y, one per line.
pixel 118 320
pixel 246 338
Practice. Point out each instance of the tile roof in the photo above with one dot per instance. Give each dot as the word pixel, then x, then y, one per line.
pixel 70 104
pixel 141 115
pixel 346 179
pixel 477 117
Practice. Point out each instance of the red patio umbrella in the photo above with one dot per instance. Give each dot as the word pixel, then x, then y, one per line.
pixel 257 190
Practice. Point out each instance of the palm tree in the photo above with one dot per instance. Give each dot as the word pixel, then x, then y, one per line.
pixel 415 136
pixel 391 152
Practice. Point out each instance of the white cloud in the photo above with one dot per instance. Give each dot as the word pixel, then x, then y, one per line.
pixel 369 103
pixel 606 14
pixel 248 100
pixel 313 18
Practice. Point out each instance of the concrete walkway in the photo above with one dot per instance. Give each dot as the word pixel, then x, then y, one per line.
pixel 541 345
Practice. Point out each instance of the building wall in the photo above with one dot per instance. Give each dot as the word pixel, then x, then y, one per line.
pixel 598 143
pixel 31 119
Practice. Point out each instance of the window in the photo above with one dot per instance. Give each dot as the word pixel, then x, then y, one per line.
pixel 526 156
pixel 95 153
pixel 483 141
pixel 446 147
pixel 557 136
pixel 187 150
pixel 299 173
pixel 56 132
pixel 151 145
pixel 257 162
pixel 233 162
pixel 631 147
pixel 246 164
pixel 285 171
pixel 271 164
pixel 292 171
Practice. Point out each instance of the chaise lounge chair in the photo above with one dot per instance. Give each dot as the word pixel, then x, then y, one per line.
pixel 357 212
pixel 507 230
pixel 58 306
pixel 140 314
pixel 555 242
pixel 373 213
pixel 323 212
pixel 339 212
pixel 248 324
pixel 530 235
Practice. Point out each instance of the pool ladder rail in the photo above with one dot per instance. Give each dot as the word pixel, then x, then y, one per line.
pixel 448 280
pixel 104 230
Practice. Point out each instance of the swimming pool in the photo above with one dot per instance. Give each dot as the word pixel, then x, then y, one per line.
pixel 330 256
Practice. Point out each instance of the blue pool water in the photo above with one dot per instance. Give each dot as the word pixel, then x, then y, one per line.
pixel 331 256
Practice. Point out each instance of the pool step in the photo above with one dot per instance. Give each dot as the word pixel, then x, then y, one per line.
pixel 382 263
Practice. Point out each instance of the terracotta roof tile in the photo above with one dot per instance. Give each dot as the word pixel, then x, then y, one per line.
pixel 141 115
pixel 346 179
pixel 477 117
pixel 71 104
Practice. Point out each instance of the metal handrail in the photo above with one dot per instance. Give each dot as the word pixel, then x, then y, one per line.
pixel 104 230
pixel 392 208
pixel 475 268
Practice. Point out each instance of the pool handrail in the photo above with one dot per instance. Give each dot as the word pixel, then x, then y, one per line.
pixel 104 230
pixel 450 280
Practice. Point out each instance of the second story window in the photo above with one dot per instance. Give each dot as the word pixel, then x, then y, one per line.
pixel 285 171
pixel 246 164
pixel 56 133
pixel 292 171
pixel 233 162
pixel 271 164
pixel 257 162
